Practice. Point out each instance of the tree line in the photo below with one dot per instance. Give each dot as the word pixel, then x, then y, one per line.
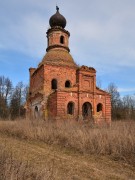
pixel 12 99
pixel 122 107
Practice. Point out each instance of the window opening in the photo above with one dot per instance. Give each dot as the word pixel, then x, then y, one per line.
pixel 70 108
pixel 62 39
pixel 99 107
pixel 67 84
pixel 54 84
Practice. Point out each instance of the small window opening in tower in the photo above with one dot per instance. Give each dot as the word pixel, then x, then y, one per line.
pixel 62 39
pixel 70 108
pixel 54 84
pixel 99 107
pixel 67 84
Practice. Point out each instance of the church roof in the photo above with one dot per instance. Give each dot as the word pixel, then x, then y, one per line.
pixel 58 56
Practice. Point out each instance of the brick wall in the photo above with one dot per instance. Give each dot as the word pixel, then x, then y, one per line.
pixel 37 80
pixel 86 80
pixel 108 109
pixel 61 74
pixel 63 98
pixel 52 105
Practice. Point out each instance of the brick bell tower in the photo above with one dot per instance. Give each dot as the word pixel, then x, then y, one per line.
pixel 58 42
pixel 60 89
pixel 57 36
pixel 59 66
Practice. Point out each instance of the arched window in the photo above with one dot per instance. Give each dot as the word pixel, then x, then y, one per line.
pixel 67 84
pixel 62 39
pixel 70 108
pixel 54 84
pixel 87 110
pixel 99 107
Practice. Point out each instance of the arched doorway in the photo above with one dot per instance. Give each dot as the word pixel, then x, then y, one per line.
pixel 87 110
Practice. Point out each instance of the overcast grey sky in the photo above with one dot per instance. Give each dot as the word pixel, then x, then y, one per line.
pixel 102 36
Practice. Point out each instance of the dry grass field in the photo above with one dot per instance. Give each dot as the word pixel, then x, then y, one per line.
pixel 65 150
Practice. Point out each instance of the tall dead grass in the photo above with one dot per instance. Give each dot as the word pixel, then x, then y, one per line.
pixel 118 140
pixel 12 169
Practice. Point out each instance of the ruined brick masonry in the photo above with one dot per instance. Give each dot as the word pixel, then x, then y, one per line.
pixel 60 89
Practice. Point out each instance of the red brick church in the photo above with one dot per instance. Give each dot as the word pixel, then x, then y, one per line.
pixel 59 88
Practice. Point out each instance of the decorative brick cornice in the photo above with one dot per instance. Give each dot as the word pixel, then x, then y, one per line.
pixel 57 28
pixel 57 46
pixel 86 68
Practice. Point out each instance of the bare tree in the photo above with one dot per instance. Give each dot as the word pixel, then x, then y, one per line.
pixel 116 102
pixel 5 93
pixel 17 101
pixel 129 107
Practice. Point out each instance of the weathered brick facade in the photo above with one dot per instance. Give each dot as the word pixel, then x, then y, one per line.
pixel 59 89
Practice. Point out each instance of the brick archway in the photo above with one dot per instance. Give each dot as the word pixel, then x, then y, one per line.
pixel 100 109
pixel 87 110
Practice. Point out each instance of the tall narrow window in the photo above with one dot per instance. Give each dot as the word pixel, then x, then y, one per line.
pixel 70 108
pixel 36 109
pixel 54 84
pixel 62 39
pixel 36 112
pixel 67 84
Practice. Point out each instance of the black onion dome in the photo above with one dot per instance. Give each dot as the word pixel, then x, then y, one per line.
pixel 57 19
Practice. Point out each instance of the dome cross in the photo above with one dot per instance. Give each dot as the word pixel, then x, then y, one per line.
pixel 57 8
